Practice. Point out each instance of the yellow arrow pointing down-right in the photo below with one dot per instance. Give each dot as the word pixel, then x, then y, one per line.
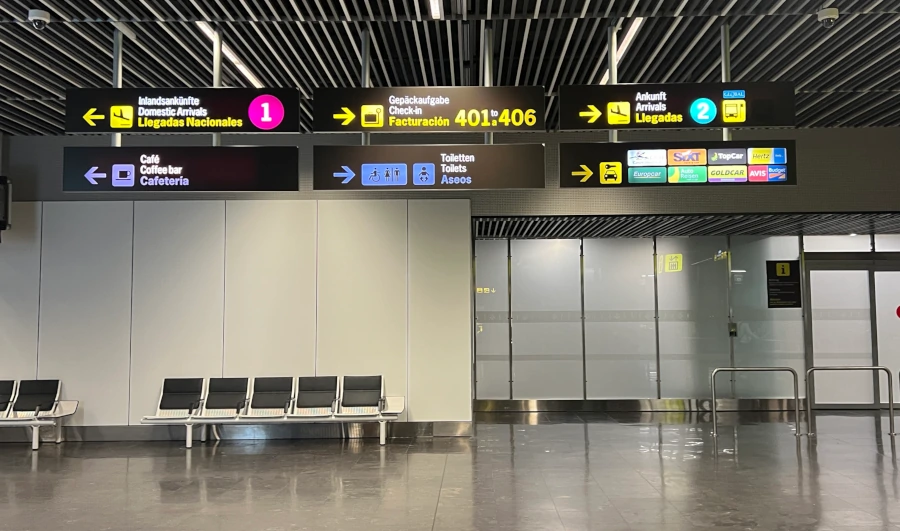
pixel 89 116
pixel 585 175
pixel 347 116
pixel 592 115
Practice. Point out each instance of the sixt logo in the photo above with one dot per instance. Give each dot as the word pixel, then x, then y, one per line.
pixel 687 157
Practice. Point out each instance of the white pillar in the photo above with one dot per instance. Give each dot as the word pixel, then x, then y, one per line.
pixel 725 38
pixel 217 75
pixel 117 75
pixel 613 48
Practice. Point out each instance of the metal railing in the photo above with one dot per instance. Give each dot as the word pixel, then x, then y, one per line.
pixel 873 368
pixel 712 384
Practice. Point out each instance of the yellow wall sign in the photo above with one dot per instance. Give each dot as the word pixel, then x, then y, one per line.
pixel 670 263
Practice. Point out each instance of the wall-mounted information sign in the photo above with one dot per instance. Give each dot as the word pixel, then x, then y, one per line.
pixel 181 169
pixel 444 167
pixel 676 164
pixel 428 109
pixel 183 110
pixel 676 106
pixel 783 283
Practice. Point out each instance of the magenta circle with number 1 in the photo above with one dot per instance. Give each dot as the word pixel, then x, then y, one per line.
pixel 266 112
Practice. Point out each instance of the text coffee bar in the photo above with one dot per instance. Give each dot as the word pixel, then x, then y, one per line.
pixel 181 169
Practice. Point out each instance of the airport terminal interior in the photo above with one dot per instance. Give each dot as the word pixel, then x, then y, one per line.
pixel 449 265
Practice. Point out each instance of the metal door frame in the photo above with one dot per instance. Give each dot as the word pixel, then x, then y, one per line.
pixel 845 261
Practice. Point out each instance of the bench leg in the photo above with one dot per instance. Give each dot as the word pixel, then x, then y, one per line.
pixel 35 437
pixel 382 432
pixel 189 436
pixel 203 432
pixel 59 431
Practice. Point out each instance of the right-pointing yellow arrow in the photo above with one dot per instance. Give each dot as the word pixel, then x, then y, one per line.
pixel 347 116
pixel 592 115
pixel 89 116
pixel 585 174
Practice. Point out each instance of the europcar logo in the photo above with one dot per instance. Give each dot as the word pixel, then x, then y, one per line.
pixel 687 157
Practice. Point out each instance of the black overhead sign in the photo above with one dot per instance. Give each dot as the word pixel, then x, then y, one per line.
pixel 677 164
pixel 180 169
pixel 428 109
pixel 783 283
pixel 676 106
pixel 183 110
pixel 444 167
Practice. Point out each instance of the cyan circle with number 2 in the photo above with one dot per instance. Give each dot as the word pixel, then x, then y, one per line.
pixel 703 110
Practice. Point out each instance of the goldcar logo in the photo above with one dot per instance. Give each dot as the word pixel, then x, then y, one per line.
pixel 727 174
pixel 687 157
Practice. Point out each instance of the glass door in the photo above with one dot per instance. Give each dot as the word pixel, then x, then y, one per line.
pixel 887 325
pixel 853 320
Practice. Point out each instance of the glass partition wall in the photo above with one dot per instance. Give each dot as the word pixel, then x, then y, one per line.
pixel 630 318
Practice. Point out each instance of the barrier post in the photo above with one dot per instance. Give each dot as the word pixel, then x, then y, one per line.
pixel 873 368
pixel 712 384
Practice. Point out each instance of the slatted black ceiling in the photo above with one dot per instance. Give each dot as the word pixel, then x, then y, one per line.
pixel 553 227
pixel 847 76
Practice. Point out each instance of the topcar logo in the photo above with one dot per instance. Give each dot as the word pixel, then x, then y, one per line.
pixel 727 156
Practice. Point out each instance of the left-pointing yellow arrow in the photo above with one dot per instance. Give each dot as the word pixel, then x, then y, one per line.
pixel 89 116
pixel 585 174
pixel 592 114
pixel 347 116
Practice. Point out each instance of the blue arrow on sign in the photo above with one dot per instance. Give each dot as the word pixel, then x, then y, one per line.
pixel 347 174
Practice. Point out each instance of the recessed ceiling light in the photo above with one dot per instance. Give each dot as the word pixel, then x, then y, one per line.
pixel 437 8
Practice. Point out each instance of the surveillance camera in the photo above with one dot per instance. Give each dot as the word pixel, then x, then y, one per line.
pixel 828 16
pixel 38 18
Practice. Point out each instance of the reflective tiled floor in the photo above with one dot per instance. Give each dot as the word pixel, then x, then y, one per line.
pixel 521 472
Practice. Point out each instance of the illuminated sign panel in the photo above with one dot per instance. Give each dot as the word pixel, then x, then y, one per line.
pixel 613 165
pixel 428 109
pixel 181 169
pixel 676 105
pixel 183 110
pixel 433 167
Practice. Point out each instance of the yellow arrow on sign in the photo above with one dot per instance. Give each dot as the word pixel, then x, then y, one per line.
pixel 592 115
pixel 347 116
pixel 585 175
pixel 89 116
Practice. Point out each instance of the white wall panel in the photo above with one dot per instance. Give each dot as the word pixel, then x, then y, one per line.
pixel 20 274
pixel 85 313
pixel 440 310
pixel 270 288
pixel 362 298
pixel 179 281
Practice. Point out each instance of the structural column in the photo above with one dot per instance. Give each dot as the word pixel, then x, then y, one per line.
pixel 488 67
pixel 217 74
pixel 365 80
pixel 613 47
pixel 725 38
pixel 117 75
